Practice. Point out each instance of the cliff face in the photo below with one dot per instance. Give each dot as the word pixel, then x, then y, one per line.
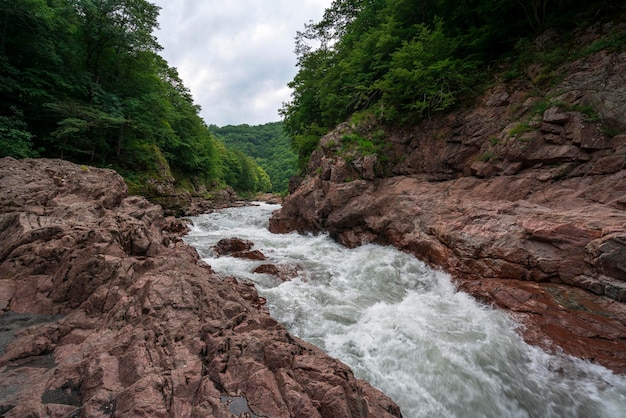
pixel 522 198
pixel 104 311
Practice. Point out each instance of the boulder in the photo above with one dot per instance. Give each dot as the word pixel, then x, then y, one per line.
pixel 232 245
pixel 236 247
pixel 283 271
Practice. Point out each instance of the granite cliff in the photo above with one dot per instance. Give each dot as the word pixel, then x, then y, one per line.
pixel 521 198
pixel 105 312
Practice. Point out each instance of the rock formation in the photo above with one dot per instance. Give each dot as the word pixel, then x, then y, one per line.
pixel 284 272
pixel 522 198
pixel 236 247
pixel 104 312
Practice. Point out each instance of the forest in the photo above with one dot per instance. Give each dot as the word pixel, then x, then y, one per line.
pixel 83 80
pixel 399 61
pixel 267 145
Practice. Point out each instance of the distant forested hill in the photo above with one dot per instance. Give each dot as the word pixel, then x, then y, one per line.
pixel 267 144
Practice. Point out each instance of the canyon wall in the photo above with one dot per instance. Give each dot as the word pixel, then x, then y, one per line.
pixel 521 198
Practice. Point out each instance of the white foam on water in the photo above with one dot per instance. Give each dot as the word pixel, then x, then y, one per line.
pixel 403 327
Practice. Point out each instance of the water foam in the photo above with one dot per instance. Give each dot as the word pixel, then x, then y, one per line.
pixel 403 327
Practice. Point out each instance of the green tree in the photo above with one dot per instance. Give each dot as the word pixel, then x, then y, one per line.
pixel 15 139
pixel 424 75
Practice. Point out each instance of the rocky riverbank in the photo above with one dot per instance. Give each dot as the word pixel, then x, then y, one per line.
pixel 522 198
pixel 104 311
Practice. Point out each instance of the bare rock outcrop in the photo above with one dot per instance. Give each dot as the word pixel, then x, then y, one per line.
pixel 106 312
pixel 522 199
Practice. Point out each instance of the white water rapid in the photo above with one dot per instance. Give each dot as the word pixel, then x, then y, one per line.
pixel 402 327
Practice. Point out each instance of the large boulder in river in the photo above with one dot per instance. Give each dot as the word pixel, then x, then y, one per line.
pixel 284 272
pixel 104 311
pixel 237 247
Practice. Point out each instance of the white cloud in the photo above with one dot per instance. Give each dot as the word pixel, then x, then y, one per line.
pixel 236 56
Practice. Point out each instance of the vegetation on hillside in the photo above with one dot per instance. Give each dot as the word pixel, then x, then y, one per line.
pixel 83 80
pixel 401 60
pixel 267 144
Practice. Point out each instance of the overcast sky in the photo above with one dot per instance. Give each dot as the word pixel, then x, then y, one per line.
pixel 236 56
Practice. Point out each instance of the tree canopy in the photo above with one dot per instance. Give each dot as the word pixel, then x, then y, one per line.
pixel 83 80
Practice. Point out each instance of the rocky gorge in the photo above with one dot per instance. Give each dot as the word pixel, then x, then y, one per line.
pixel 105 311
pixel 521 198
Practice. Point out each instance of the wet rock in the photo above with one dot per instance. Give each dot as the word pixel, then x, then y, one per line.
pixel 594 333
pixel 236 247
pixel 282 271
pixel 270 198
pixel 182 203
pixel 232 245
pixel 477 229
pixel 142 326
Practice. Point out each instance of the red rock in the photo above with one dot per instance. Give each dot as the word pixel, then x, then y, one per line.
pixel 555 116
pixel 145 327
pixel 549 206
pixel 270 198
pixel 594 333
pixel 236 247
pixel 282 271
pixel 232 245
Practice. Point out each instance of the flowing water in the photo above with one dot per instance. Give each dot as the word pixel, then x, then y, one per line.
pixel 402 327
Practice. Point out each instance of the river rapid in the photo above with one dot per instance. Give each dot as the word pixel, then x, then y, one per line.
pixel 404 328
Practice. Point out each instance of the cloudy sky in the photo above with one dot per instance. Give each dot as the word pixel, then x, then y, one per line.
pixel 236 56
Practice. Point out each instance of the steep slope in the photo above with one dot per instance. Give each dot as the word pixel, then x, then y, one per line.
pixel 522 198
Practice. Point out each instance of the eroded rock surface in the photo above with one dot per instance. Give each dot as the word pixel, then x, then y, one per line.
pixel 526 208
pixel 123 319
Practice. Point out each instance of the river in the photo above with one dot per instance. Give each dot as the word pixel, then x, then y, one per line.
pixel 404 328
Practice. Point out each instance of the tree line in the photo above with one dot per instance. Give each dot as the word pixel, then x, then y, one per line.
pixel 83 80
pixel 402 60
